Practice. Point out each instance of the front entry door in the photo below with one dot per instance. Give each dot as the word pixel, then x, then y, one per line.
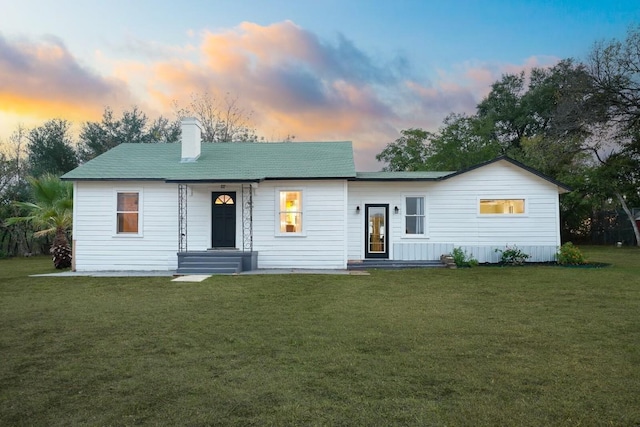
pixel 376 231
pixel 223 220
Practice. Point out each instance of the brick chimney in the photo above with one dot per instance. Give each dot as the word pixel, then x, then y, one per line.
pixel 191 139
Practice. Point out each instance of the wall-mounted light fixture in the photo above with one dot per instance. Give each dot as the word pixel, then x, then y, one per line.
pixel 396 210
pixel 358 209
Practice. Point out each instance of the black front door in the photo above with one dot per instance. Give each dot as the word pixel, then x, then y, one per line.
pixel 223 220
pixel 376 231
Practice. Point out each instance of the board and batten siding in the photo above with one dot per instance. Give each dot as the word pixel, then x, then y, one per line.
pixel 323 241
pixel 97 245
pixel 452 215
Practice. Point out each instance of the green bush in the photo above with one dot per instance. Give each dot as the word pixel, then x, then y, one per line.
pixel 462 259
pixel 512 256
pixel 570 254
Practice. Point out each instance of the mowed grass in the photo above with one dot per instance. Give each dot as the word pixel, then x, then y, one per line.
pixel 483 346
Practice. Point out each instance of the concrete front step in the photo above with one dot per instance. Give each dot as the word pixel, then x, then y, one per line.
pixel 204 270
pixel 211 264
pixel 208 259
pixel 216 262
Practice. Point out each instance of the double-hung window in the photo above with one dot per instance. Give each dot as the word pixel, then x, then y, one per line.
pixel 414 216
pixel 290 212
pixel 128 212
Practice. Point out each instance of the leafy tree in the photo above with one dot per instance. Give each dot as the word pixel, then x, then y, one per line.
pixel 223 120
pixel 461 142
pixel 536 122
pixel 614 116
pixel 51 213
pixel 505 109
pixel 133 127
pixel 50 149
pixel 164 130
pixel 530 118
pixel 407 153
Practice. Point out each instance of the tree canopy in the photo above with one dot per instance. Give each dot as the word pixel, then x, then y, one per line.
pixel 51 149
pixel 132 127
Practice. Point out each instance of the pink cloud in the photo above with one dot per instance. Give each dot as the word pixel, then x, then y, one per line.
pixel 42 79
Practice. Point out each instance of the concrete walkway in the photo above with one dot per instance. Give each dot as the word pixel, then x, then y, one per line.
pixel 172 273
pixel 108 274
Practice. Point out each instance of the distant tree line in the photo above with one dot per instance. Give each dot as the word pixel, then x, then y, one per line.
pixel 578 122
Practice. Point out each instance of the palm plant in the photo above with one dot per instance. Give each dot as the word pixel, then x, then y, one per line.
pixel 51 213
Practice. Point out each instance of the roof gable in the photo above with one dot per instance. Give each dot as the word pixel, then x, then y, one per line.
pixel 563 188
pixel 231 161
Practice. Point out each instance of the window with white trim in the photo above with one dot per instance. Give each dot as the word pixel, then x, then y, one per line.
pixel 502 206
pixel 414 217
pixel 290 213
pixel 128 212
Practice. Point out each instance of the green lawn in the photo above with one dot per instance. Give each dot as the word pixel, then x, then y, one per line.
pixel 483 346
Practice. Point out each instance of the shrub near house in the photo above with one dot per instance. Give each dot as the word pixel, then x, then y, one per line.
pixel 569 254
pixel 512 256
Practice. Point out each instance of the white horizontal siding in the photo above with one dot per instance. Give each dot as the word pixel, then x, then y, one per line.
pixel 322 244
pixel 452 214
pixel 98 247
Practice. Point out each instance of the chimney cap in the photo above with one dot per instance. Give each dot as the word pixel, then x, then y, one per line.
pixel 190 120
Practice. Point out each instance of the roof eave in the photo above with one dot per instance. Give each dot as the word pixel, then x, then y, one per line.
pixel 211 181
pixel 394 179
pixel 63 178
pixel 306 178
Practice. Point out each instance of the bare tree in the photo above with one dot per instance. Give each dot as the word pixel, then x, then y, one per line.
pixel 223 120
pixel 11 166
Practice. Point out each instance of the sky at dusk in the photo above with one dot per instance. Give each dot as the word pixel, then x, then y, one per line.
pixel 320 70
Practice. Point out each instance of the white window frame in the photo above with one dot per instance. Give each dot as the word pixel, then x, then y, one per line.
pixel 403 213
pixel 503 215
pixel 302 191
pixel 140 213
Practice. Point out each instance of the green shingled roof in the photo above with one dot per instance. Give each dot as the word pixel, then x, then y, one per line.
pixel 231 161
pixel 401 176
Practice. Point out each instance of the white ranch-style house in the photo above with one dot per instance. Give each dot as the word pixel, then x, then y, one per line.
pixel 227 207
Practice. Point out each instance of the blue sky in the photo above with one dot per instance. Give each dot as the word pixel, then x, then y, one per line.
pixel 321 70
